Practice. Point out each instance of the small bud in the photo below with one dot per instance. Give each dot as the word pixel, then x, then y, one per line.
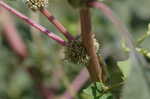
pixel 36 4
pixel 96 44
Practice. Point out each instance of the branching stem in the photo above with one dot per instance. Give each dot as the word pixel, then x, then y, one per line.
pixel 57 23
pixel 32 23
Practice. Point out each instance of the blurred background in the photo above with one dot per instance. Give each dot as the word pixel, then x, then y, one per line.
pixel 44 58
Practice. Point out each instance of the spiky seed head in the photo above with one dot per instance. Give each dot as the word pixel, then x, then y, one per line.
pixel 36 4
pixel 76 53
pixel 79 3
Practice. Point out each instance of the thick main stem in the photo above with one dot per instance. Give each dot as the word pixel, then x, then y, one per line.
pixel 94 67
pixel 57 24
pixel 32 23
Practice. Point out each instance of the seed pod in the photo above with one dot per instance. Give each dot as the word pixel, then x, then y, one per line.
pixel 76 53
pixel 79 3
pixel 36 4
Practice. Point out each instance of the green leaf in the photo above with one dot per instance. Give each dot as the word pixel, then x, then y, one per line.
pixel 125 66
pixel 115 77
pixel 96 91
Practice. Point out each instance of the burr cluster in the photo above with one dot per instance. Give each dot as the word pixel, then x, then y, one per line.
pixel 36 4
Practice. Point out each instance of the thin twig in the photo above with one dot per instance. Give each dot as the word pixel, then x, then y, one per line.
pixel 34 24
pixel 94 67
pixel 17 44
pixel 19 47
pixel 57 23
pixel 141 39
pixel 109 88
pixel 76 85
pixel 115 20
pixel 108 13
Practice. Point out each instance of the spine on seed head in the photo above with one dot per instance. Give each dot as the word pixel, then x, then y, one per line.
pixel 36 4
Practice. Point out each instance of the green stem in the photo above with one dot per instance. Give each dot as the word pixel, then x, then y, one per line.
pixel 141 39
pixel 107 89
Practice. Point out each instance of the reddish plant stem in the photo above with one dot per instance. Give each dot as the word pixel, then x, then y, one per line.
pixel 94 67
pixel 32 23
pixel 76 85
pixel 19 47
pixel 114 19
pixel 57 23
pixel 107 12
pixel 12 35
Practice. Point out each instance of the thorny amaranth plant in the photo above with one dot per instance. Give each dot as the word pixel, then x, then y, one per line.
pixel 85 49
pixel 87 44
